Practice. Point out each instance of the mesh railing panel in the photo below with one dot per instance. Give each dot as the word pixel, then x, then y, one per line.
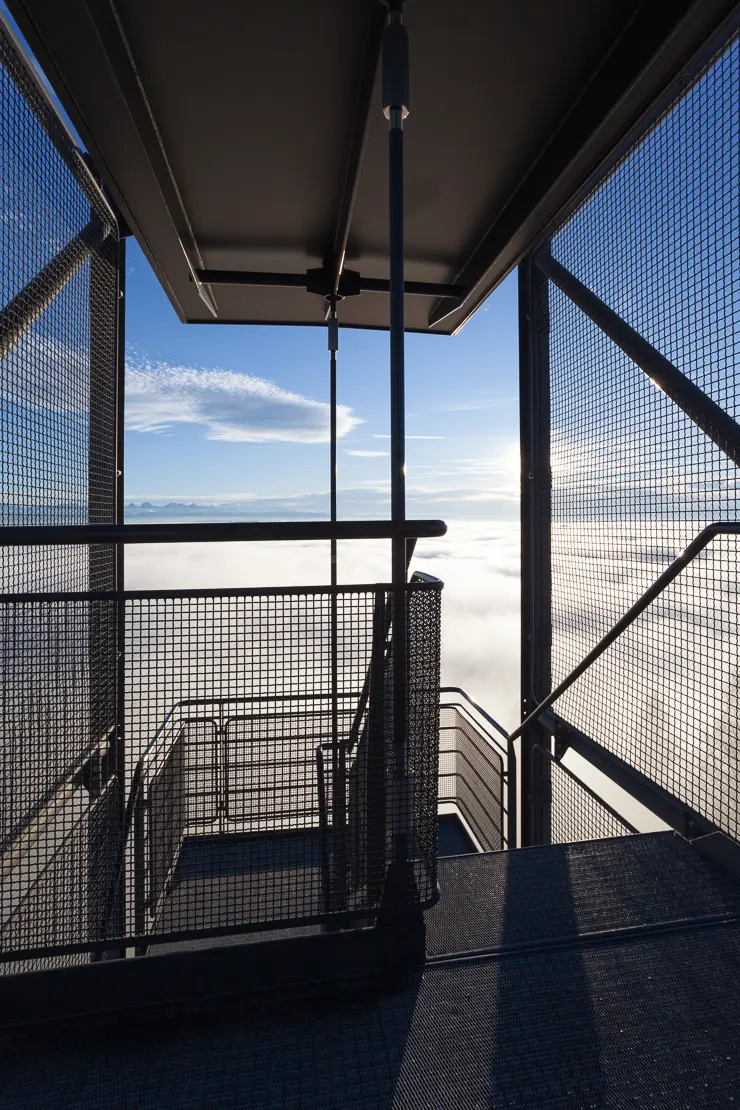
pixel 58 336
pixel 234 774
pixel 227 699
pixel 575 811
pixel 58 341
pixel 424 660
pixel 59 881
pixel 633 479
pixel 471 777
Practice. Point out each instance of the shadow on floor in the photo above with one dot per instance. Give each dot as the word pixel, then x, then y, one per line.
pixel 324 1052
pixel 532 1011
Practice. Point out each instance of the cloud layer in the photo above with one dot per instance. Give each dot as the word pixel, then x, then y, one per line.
pixel 479 564
pixel 230 406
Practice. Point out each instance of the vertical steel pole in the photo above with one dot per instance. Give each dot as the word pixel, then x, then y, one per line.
pixel 339 770
pixel 120 752
pixel 333 337
pixel 103 837
pixel 395 108
pixel 534 401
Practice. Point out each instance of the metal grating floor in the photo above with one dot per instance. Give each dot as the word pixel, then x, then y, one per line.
pixel 506 898
pixel 619 1024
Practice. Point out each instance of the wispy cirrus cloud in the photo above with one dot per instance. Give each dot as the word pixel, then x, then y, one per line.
pixel 228 405
pixel 368 454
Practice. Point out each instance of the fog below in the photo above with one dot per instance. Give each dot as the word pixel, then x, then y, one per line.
pixel 478 563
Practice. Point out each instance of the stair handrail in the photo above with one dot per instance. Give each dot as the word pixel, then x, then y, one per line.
pixel 508 753
pixel 697 545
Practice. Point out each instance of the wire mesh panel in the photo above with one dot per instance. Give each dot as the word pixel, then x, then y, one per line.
pixel 657 238
pixel 471 776
pixel 575 811
pixel 256 768
pixel 58 336
pixel 58 339
pixel 262 772
pixel 62 810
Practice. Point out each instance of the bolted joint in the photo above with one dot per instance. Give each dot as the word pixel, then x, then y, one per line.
pixel 395 69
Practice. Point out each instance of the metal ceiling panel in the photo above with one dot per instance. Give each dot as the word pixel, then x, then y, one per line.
pixel 232 136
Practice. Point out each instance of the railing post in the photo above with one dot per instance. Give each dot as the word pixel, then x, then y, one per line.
pixel 120 606
pixel 375 777
pixel 395 109
pixel 536 626
pixel 140 854
pixel 339 755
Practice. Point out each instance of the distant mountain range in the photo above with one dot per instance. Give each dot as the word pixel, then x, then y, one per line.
pixel 223 511
pixel 354 504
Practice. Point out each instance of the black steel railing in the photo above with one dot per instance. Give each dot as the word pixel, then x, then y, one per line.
pixel 477 772
pixel 61 534
pixel 244 771
pixel 676 811
pixel 697 545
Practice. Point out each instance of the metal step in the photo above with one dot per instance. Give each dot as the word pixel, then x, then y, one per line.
pixel 557 892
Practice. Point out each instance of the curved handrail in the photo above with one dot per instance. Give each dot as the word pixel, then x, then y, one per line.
pixel 697 545
pixel 479 708
pixel 479 726
pixel 509 753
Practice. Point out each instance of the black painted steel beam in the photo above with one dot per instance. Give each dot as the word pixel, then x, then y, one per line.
pixel 25 308
pixel 395 100
pixel 717 424
pixel 357 144
pixel 665 806
pixel 53 534
pixel 223 971
pixel 536 617
pixel 414 288
pixel 252 277
pixel 303 281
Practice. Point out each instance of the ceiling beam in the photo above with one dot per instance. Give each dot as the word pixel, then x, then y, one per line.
pixel 321 282
pixel 358 140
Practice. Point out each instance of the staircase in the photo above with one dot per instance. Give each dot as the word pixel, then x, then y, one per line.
pixel 591 975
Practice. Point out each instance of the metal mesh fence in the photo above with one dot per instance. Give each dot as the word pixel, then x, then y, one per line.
pixel 575 811
pixel 58 340
pixel 58 336
pixel 256 769
pixel 633 479
pixel 471 776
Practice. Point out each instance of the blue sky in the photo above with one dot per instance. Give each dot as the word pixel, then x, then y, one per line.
pixel 236 418
pixel 229 415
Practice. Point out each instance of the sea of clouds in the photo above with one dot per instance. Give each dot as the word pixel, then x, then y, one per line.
pixel 477 562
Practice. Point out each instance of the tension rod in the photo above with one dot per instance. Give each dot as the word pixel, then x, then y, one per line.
pixel 339 758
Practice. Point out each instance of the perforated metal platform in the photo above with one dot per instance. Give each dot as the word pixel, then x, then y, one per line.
pixel 510 898
pixel 626 1021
